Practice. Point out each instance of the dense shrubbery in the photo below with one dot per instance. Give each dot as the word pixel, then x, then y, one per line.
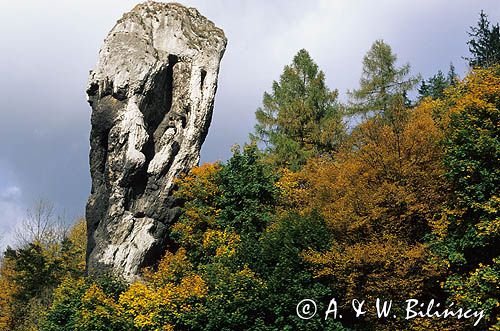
pixel 405 205
pixel 30 273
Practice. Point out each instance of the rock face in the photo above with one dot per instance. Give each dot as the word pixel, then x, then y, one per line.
pixel 152 96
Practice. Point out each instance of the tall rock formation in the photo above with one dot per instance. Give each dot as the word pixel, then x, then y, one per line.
pixel 152 96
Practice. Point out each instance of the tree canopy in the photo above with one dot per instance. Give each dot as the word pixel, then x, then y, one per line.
pixel 301 117
pixel 404 204
pixel 484 43
pixel 382 83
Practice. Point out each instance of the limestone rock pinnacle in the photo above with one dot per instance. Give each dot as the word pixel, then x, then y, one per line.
pixel 152 96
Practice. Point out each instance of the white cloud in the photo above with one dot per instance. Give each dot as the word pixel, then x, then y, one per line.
pixel 12 212
pixel 10 193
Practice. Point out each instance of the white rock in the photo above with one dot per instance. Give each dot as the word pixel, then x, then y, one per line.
pixel 152 95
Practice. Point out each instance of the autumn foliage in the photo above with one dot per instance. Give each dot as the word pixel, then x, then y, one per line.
pixel 403 205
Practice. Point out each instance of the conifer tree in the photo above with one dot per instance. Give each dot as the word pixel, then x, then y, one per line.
pixel 381 83
pixel 484 44
pixel 434 86
pixel 301 117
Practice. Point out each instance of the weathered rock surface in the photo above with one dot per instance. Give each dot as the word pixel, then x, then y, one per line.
pixel 152 96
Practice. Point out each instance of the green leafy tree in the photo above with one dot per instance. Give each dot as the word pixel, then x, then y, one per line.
pixel 382 83
pixel 44 257
pixel 229 220
pixel 61 315
pixel 484 44
pixel 37 271
pixel 247 192
pixel 301 116
pixel 452 76
pixel 34 270
pixel 288 276
pixel 87 304
pixel 467 236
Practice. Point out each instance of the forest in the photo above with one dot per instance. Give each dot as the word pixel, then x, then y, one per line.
pixel 392 195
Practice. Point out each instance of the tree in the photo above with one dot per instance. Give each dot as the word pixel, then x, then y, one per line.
pixel 381 83
pixel 228 235
pixel 288 274
pixel 32 272
pixel 87 304
pixel 378 197
pixel 7 293
pixel 197 192
pixel 434 86
pixel 484 44
pixel 247 192
pixel 301 116
pixel 41 226
pixel 467 235
pixel 452 76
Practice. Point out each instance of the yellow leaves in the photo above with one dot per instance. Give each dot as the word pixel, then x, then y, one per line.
pixel 67 287
pixel 98 311
pixel 193 286
pixel 480 89
pixel 440 225
pixel 199 182
pixel 220 242
pixel 150 307
pixel 199 190
pixel 78 237
pixel 165 295
pixel 292 190
pixel 379 268
pixel 469 290
pixel 171 268
pixel 96 303
pixel 233 287
pixel 7 290
pixel 78 233
pixel 486 227
pixel 140 303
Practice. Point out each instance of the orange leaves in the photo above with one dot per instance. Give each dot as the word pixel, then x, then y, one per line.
pixel 385 268
pixel 378 196
pixel 7 290
pixel 199 182
pixel 293 191
pixel 382 267
pixel 388 180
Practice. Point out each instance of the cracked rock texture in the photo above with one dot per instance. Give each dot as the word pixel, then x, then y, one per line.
pixel 152 96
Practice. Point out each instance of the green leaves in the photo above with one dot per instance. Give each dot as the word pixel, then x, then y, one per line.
pixel 301 117
pixel 247 192
pixel 382 84
pixel 469 242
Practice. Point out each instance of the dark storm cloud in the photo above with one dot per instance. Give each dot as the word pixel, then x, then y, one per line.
pixel 48 47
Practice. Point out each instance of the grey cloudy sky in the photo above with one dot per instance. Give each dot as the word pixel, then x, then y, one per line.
pixel 48 47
